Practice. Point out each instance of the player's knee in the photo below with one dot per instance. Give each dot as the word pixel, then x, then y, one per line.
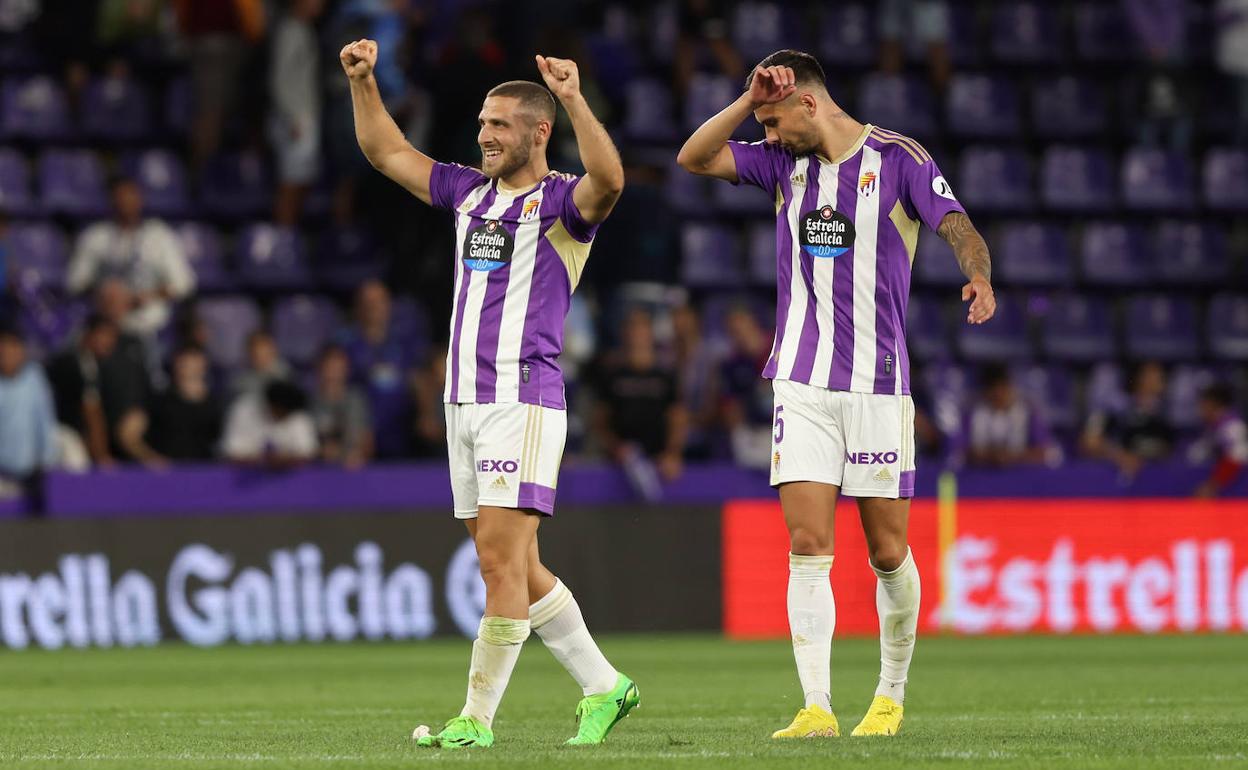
pixel 807 541
pixel 888 556
pixel 501 566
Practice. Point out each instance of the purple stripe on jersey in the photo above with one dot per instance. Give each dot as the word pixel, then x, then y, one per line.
pixel 892 286
pixel 905 486
pixel 541 379
pixel 843 281
pixel 784 273
pixel 466 279
pixel 543 498
pixel 808 342
pixel 492 316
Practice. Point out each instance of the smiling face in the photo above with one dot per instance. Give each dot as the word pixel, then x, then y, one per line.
pixel 791 123
pixel 508 136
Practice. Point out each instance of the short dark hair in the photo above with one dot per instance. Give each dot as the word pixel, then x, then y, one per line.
pixel 285 396
pixel 993 375
pixel 117 180
pixel 533 97
pixel 1219 393
pixel 188 349
pixel 10 331
pixel 806 68
pixel 96 321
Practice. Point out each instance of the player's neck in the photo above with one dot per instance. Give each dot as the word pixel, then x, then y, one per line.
pixel 838 135
pixel 523 178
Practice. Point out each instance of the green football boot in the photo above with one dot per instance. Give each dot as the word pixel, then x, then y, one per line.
pixel 597 714
pixel 459 733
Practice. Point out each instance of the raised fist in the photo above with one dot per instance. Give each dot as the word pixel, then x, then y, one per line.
pixel 358 58
pixel 561 76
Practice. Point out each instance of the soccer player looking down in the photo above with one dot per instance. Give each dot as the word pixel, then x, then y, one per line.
pixel 849 201
pixel 523 233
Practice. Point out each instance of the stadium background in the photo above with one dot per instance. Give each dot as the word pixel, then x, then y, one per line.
pixel 1098 144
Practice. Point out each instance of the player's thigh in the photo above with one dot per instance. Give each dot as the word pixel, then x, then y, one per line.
pixel 504 539
pixel 879 444
pixel 807 441
pixel 810 515
pixel 461 459
pixel 518 451
pixel 885 523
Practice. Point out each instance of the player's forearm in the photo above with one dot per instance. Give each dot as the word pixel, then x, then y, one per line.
pixel 969 247
pixel 377 133
pixel 598 153
pixel 701 148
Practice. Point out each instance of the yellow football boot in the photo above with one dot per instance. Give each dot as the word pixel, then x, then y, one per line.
pixel 811 722
pixel 883 718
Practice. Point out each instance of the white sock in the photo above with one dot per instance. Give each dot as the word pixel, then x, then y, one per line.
pixel 494 655
pixel 556 618
pixel 897 596
pixel 812 618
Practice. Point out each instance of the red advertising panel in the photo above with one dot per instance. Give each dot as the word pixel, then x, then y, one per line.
pixel 1002 566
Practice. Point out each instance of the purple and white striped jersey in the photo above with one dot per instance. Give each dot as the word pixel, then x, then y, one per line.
pixel 518 257
pixel 846 232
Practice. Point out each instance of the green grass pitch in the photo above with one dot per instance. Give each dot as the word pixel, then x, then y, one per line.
pixel 1123 702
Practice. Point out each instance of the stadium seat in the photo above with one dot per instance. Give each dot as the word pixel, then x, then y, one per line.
pixel 927 327
pixel 947 382
pixel 409 322
pixel 712 256
pixel 1068 107
pixel 1226 179
pixel 179 105
pixel 1156 180
pixel 1191 253
pixel 15 196
pixel 740 199
pixel 897 103
pixel 71 182
pixel 934 263
pixel 761 252
pixel 759 28
pixel 1183 388
pixel 271 257
pixel 1051 389
pixel 1116 254
pixel 992 179
pixel 202 245
pixel 236 186
pixel 229 321
pixel 1074 179
pixel 302 325
pixel 648 115
pixel 707 95
pixel 1105 389
pixel 1162 327
pixel 161 176
pixel 982 106
pixel 34 108
pixel 1101 32
pixel 1228 326
pixel 1033 254
pixel 847 35
pixel 1002 339
pixel 116 109
pixel 687 193
pixel 1026 32
pixel 39 253
pixel 345 257
pixel 1078 329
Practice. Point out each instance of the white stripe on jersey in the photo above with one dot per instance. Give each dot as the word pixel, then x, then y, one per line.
pixel 462 220
pixel 797 287
pixel 516 306
pixel 866 226
pixel 472 313
pixel 823 269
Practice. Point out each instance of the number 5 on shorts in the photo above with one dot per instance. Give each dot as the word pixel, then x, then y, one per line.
pixel 779 423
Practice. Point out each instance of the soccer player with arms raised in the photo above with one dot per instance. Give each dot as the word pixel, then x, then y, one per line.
pixel 523 233
pixel 849 202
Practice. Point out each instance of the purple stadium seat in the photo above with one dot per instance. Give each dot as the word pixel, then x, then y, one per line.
pixel 1105 390
pixel 740 198
pixel 1101 32
pixel 761 252
pixel 1077 328
pixel 1051 390
pixel 345 257
pixel 1228 326
pixel 947 382
pixel 39 253
pixel 1032 254
pixel 15 195
pixel 410 322
pixel 1192 253
pixel 897 103
pixel 1116 254
pixel 648 114
pixel 927 327
pixel 1076 179
pixel 1004 338
pixel 229 321
pixel 161 176
pixel 179 105
pixel 982 105
pixel 302 325
pixel 1226 179
pixel 687 193
pixel 707 95
pixel 202 245
pixel 847 35
pixel 1025 31
pixel 1183 388
pixel 270 257
pixel 236 186
pixel 759 28
pixel 1154 179
pixel 993 179
pixel 72 182
pixel 934 264
pixel 1161 326
pixel 712 256
pixel 116 109
pixel 34 108
pixel 1069 108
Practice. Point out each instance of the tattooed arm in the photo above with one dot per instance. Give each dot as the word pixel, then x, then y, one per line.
pixel 972 255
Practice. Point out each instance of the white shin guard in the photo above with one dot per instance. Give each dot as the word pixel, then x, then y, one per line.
pixel 812 619
pixel 897 596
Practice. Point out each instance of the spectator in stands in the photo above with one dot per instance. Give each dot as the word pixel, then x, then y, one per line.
pixel 264 365
pixel 1160 28
pixel 704 26
pixel 144 254
pixel 925 22
pixel 219 36
pixel 1224 441
pixel 381 362
pixel 746 405
pixel 114 301
pixel 344 426
pixel 179 424
pixel 1137 433
pixel 78 384
pixel 1003 429
pixel 271 430
pixel 27 423
pixel 428 384
pixel 639 418
pixel 294 92
pixel 1231 25
pixel 697 373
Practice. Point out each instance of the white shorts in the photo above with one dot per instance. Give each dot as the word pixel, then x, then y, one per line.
pixel 504 455
pixel 861 442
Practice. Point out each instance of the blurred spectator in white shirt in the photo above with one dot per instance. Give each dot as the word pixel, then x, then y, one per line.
pixel 271 429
